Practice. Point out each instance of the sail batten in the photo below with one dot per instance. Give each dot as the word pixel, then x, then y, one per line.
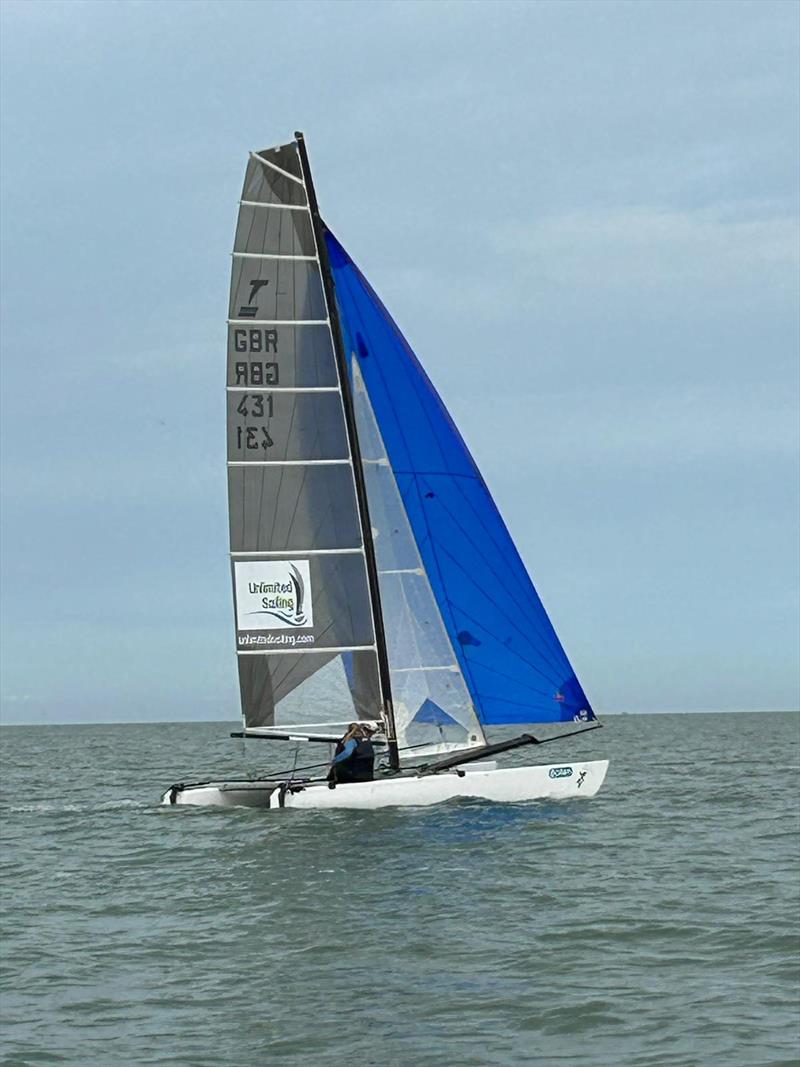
pixel 278 322
pixel 274 207
pixel 273 255
pixel 344 462
pixel 277 169
pixel 303 552
pixel 281 389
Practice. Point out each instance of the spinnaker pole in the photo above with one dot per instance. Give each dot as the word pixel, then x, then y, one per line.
pixel 355 452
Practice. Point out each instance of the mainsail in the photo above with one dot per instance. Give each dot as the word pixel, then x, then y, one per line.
pixel 366 550
pixel 302 595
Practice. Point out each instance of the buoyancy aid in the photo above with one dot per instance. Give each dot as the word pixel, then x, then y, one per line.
pixel 359 766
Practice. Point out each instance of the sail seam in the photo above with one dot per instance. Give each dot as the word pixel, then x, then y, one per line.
pixel 532 596
pixel 513 703
pixel 502 674
pixel 437 474
pixel 546 641
pixel 511 651
pixel 543 642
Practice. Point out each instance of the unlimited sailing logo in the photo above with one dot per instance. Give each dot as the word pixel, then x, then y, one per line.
pixel 273 595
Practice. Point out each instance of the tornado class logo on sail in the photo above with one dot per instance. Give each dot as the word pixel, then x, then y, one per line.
pixel 272 595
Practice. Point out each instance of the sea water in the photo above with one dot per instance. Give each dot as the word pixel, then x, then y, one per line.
pixel 653 926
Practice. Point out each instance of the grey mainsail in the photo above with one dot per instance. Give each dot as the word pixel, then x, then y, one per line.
pixel 301 591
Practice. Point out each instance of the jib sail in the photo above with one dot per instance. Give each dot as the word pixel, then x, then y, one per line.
pixel 489 621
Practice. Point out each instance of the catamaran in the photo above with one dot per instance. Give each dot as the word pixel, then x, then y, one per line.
pixel 373 576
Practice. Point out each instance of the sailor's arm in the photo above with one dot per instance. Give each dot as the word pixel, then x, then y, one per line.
pixel 346 752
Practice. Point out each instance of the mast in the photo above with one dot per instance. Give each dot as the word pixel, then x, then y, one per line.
pixel 355 450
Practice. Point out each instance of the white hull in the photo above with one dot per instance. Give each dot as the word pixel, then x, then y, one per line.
pixel 555 781
pixel 222 794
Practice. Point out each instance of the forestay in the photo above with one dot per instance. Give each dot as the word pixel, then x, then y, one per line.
pixel 301 596
pixel 511 660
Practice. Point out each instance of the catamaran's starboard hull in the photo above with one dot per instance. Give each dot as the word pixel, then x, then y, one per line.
pixel 558 781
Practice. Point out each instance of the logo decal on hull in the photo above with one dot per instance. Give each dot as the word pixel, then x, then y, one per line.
pixel 560 772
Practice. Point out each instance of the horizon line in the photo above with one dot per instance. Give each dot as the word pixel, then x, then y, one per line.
pixel 237 720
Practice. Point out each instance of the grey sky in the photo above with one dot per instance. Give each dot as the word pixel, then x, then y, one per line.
pixel 583 216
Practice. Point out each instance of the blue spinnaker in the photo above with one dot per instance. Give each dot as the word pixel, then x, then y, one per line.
pixel 512 661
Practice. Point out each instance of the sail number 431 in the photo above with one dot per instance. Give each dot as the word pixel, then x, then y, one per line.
pixel 253 437
pixel 257 406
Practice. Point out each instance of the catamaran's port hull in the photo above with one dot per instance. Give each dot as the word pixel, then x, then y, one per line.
pixel 221 794
pixel 556 781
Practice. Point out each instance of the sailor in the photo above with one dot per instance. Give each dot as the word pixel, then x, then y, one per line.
pixel 354 759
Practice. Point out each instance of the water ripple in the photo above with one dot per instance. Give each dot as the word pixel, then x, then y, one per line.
pixel 655 926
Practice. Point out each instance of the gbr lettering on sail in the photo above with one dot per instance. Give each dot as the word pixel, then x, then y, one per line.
pixel 261 344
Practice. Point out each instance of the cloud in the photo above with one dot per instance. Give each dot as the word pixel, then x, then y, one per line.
pixel 635 248
pixel 624 428
pixel 681 261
